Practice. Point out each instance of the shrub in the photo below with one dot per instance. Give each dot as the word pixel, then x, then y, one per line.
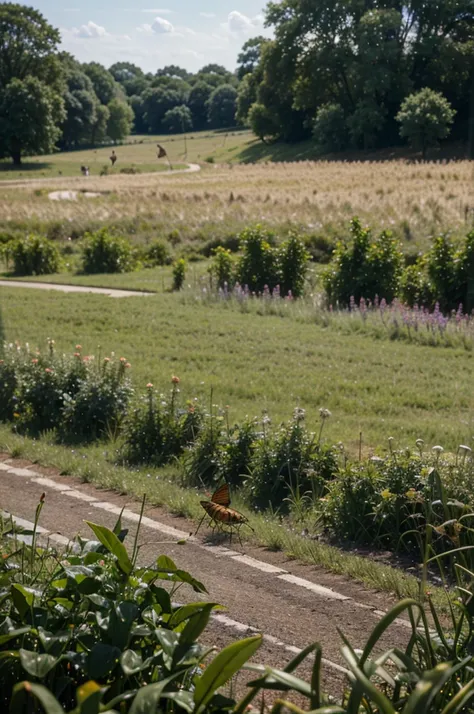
pixel 425 117
pixel 100 403
pixel 8 383
pixel 258 265
pixel 106 253
pixel 156 431
pixel 158 253
pixel 179 273
pixel 415 288
pixel 34 255
pixel 366 268
pixel 288 462
pixel 293 262
pixel 236 453
pixel 320 247
pixel 222 268
pixel 330 128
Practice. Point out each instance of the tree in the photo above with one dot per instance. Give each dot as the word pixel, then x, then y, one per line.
pixel 99 128
pixel 425 118
pixel 30 113
pixel 222 106
pixel 31 108
pixel 173 70
pixel 156 103
pixel 120 120
pixel 102 80
pixel 330 128
pixel 130 77
pixel 249 57
pixel 197 103
pixel 80 102
pixel 178 120
pixel 140 126
pixel 262 122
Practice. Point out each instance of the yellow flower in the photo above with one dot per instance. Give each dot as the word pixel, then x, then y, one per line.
pixel 411 494
pixel 386 494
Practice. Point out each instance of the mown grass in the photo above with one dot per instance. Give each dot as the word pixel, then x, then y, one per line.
pixel 252 363
pixel 162 488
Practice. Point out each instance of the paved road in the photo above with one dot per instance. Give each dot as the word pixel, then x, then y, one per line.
pixel 111 292
pixel 292 604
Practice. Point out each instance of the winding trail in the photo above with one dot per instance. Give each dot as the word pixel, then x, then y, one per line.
pixel 110 292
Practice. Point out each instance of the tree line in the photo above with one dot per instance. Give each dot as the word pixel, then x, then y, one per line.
pixel 48 99
pixel 341 71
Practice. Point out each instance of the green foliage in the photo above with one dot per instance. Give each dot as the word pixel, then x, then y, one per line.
pixel 103 82
pixel 293 260
pixel 222 106
pixel 258 265
pixel 157 253
pixel 179 273
pixel 197 103
pixel 119 123
pixel 82 401
pixel 103 252
pixel 415 288
pixel 288 463
pixel 178 120
pixel 425 118
pixel 34 255
pixel 365 268
pixel 330 128
pixel 98 406
pixel 263 122
pixel 222 267
pixel 158 430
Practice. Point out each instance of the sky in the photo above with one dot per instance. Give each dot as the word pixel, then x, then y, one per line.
pixel 189 33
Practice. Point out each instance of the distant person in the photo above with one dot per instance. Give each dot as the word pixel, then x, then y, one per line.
pixel 113 158
pixel 85 170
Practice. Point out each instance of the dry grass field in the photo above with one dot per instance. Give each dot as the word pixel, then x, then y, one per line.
pixel 416 201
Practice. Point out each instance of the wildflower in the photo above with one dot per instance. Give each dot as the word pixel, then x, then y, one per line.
pixel 127 365
pixel 123 359
pixel 106 359
pixel 175 380
pixel 48 370
pixel 411 494
pixel 78 347
pixel 437 449
pixel 466 449
pixel 149 385
pixel 299 414
pixel 420 443
pixel 77 354
pixel 324 413
pixel 34 361
pixel 16 415
pixel 386 494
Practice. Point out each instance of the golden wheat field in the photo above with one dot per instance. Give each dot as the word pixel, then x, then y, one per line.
pixel 414 200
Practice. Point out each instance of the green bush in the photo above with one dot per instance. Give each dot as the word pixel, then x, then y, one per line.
pixel 330 128
pixel 157 430
pixel 288 463
pixel 415 287
pixel 365 268
pixel 222 268
pixel 425 117
pixel 258 265
pixel 158 253
pixel 8 383
pixel 34 255
pixel 293 261
pixel 103 252
pixel 99 405
pixel 179 273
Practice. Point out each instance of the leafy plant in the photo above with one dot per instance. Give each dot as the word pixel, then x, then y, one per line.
pixel 34 255
pixel 425 117
pixel 222 268
pixel 179 273
pixel 258 265
pixel 104 252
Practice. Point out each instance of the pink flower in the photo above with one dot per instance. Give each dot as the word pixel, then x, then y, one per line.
pixel 78 347
pixel 106 359
pixel 149 385
pixel 128 365
pixel 48 370
pixel 122 359
pixel 175 380
pixel 77 354
pixel 34 361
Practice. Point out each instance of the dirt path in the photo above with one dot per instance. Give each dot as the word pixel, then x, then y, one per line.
pixel 191 168
pixel 292 604
pixel 110 292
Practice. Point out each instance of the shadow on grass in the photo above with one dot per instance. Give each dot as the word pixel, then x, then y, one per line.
pixel 26 167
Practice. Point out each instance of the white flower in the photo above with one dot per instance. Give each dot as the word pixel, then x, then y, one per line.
pixel 463 447
pixel 324 413
pixel 419 443
pixel 437 449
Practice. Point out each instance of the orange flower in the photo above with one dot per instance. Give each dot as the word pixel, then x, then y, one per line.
pixel 78 347
pixel 128 365
pixel 175 380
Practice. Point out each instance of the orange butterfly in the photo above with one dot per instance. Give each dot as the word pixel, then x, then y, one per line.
pixel 221 515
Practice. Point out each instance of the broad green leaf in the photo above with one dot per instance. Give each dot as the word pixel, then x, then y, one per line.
pixel 22 599
pixel 110 541
pixel 13 634
pixel 183 699
pixel 88 698
pixel 196 624
pixel 148 698
pixel 38 665
pixel 131 662
pixel 24 691
pixel 121 620
pixel 282 681
pixel 223 667
pixel 101 660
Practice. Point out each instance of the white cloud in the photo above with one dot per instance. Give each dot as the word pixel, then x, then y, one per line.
pixel 89 30
pixel 238 22
pixel 208 15
pixel 161 26
pixel 158 11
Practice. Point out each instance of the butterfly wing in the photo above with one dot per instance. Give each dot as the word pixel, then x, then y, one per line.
pixel 222 496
